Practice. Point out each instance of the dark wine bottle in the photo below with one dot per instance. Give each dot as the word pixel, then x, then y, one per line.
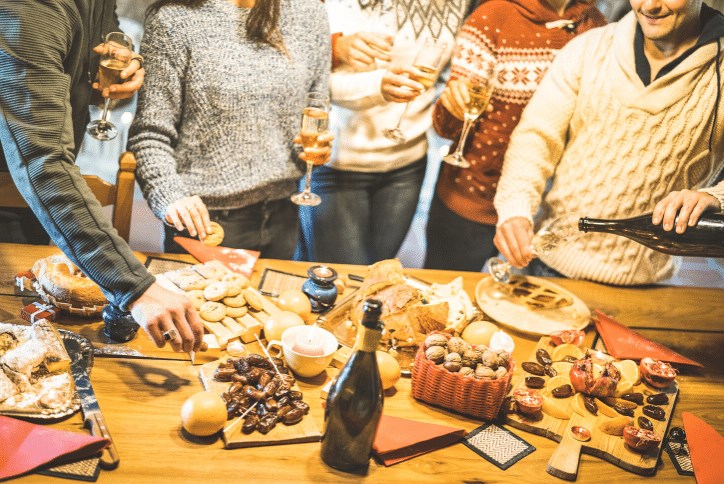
pixel 705 239
pixel 354 403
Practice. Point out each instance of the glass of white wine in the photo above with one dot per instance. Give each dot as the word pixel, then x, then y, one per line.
pixel 428 63
pixel 480 90
pixel 119 50
pixel 315 118
pixel 559 232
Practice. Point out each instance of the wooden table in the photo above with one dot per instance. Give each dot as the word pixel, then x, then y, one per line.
pixel 141 398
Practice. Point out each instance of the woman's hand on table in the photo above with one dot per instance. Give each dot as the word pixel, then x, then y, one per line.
pixel 159 310
pixel 189 213
pixel 133 76
pixel 513 239
pixel 688 205
pixel 397 87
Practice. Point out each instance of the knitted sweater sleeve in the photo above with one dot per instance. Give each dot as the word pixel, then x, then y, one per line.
pixel 537 143
pixel 155 129
pixel 358 91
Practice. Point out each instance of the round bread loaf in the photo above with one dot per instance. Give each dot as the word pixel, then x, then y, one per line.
pixel 60 279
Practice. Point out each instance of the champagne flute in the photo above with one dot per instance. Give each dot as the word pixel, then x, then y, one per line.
pixel 315 116
pixel 480 89
pixel 119 50
pixel 560 231
pixel 427 62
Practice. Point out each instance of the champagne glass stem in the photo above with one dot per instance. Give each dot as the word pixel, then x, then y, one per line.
pixel 467 124
pixel 404 114
pixel 106 105
pixel 308 179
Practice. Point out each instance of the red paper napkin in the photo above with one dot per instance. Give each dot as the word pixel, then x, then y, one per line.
pixel 706 448
pixel 238 260
pixel 25 446
pixel 400 439
pixel 624 343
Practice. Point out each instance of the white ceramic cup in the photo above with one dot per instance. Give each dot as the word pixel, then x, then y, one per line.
pixel 302 364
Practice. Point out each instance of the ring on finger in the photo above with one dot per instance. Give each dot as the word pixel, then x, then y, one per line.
pixel 170 335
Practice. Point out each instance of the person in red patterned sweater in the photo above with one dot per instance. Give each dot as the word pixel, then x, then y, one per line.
pixel 517 40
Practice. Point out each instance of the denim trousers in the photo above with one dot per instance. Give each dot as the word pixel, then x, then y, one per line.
pixel 456 243
pixel 363 217
pixel 271 227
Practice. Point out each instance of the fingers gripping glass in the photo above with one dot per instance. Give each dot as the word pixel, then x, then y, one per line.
pixel 117 56
pixel 479 91
pixel 315 116
pixel 560 231
pixel 428 63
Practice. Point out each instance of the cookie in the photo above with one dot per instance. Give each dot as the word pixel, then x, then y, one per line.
pixel 235 301
pixel 216 291
pixel 197 298
pixel 236 279
pixel 212 311
pixel 209 272
pixel 253 299
pixel 216 236
pixel 187 279
pixel 236 312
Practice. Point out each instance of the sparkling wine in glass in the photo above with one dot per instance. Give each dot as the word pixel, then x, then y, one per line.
pixel 315 118
pixel 480 90
pixel 557 233
pixel 428 63
pixel 119 50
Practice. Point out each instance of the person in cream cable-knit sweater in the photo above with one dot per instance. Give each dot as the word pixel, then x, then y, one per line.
pixel 617 135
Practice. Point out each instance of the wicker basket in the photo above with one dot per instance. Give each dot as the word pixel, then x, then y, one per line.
pixel 82 311
pixel 478 398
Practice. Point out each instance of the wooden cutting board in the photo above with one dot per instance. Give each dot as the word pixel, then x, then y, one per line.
pixel 564 461
pixel 304 431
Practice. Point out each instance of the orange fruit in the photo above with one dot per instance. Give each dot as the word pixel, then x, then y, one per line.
pixel 295 301
pixel 389 369
pixel 479 332
pixel 203 414
pixel 277 323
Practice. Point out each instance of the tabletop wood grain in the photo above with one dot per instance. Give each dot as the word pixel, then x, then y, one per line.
pixel 141 397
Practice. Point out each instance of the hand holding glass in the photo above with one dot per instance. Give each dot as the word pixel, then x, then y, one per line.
pixel 315 117
pixel 117 56
pixel 479 91
pixel 427 63
pixel 560 231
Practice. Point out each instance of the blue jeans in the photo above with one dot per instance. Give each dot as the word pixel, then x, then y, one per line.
pixel 363 217
pixel 271 227
pixel 456 243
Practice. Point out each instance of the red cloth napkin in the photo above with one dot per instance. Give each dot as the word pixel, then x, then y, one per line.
pixel 25 446
pixel 400 439
pixel 238 260
pixel 624 343
pixel 706 448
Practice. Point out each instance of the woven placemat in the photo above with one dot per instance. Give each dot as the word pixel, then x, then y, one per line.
pixel 159 265
pixel 273 282
pixel 81 470
pixel 497 445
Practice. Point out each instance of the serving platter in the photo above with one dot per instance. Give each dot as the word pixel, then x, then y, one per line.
pixel 511 312
pixel 565 459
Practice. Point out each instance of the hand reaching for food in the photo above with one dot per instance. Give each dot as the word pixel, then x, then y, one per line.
pixel 190 213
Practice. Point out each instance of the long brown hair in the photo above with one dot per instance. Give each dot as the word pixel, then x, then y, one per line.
pixel 262 24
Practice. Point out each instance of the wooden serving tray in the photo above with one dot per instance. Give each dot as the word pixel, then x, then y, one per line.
pixel 564 461
pixel 304 431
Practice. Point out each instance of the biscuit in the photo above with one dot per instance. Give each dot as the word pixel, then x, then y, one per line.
pixel 235 301
pixel 212 311
pixel 209 272
pixel 216 236
pixel 216 291
pixel 236 312
pixel 197 298
pixel 236 279
pixel 232 289
pixel 187 279
pixel 253 299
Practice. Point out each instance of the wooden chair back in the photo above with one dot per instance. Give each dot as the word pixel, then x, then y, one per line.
pixel 119 195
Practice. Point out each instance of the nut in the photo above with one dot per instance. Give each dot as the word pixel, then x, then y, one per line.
pixel 453 357
pixel 452 366
pixel 436 354
pixel 490 359
pixel 484 372
pixel 467 371
pixel 435 340
pixel 504 356
pixel 457 345
pixel 500 372
pixel 472 356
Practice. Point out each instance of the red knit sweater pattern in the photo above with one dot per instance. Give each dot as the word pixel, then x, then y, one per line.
pixel 511 34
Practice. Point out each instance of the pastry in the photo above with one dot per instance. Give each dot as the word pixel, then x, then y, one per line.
pixel 536 295
pixel 233 278
pixel 216 236
pixel 7 387
pixel 212 311
pixel 216 291
pixel 60 282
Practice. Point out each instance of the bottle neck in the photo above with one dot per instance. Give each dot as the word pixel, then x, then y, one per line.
pixel 368 339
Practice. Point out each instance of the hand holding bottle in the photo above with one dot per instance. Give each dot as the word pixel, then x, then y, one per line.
pixel 688 205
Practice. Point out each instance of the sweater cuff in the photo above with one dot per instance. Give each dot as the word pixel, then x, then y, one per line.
pixel 125 299
pixel 335 60
pixel 718 192
pixel 513 209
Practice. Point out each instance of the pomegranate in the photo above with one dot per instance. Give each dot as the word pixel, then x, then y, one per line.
pixel 640 440
pixel 583 380
pixel 657 373
pixel 571 336
pixel 528 401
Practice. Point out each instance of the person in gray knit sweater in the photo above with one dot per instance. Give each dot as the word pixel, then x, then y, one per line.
pixel 218 114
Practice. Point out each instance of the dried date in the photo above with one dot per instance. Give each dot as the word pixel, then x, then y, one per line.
pixel 263 380
pixel 295 395
pixel 250 423
pixel 637 398
pixel 623 410
pixel 658 399
pixel 293 416
pixel 569 359
pixel 224 374
pixel 533 368
pixel 590 404
pixel 550 371
pixel 534 382
pixel 258 361
pixel 657 413
pixel 563 391
pixel 267 423
pixel 301 405
pixel 543 357
pixel 645 423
